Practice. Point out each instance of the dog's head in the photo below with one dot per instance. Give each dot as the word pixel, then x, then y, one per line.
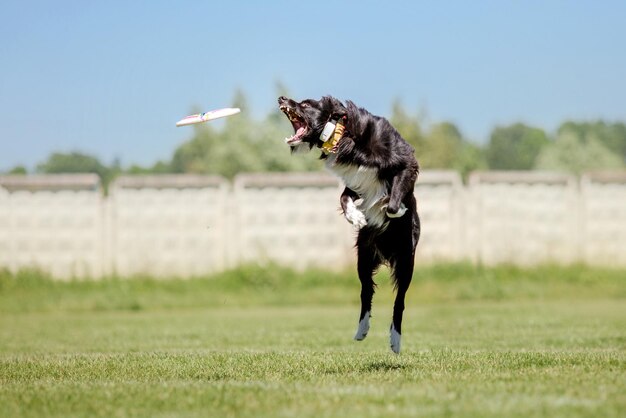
pixel 308 118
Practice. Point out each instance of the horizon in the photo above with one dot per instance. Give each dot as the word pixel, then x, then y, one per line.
pixel 112 80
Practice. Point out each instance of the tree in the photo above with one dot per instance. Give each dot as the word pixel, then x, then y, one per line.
pixel 244 145
pixel 18 170
pixel 611 135
pixel 160 167
pixel 76 162
pixel 444 147
pixel 441 146
pixel 515 147
pixel 408 126
pixel 574 154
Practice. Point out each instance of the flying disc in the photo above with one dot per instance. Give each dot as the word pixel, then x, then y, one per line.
pixel 207 116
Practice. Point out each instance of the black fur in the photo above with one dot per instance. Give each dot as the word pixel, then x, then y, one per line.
pixel 370 141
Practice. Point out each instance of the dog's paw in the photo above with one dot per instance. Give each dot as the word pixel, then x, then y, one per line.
pixel 394 339
pixel 364 327
pixel 354 216
pixel 401 211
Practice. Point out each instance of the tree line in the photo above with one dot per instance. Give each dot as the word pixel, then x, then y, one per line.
pixel 244 144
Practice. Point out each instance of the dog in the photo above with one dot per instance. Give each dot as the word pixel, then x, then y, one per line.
pixel 379 170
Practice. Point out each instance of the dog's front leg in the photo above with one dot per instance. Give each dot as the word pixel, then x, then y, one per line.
pixel 402 184
pixel 350 210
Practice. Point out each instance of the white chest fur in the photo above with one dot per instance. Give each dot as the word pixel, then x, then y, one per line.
pixel 363 181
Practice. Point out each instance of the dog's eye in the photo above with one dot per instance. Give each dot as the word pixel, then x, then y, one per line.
pixel 305 104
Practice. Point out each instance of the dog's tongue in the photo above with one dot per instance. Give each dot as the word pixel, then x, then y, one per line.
pixel 300 128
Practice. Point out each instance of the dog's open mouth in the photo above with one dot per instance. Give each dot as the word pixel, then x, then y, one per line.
pixel 299 125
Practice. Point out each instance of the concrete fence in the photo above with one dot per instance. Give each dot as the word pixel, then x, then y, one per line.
pixel 184 225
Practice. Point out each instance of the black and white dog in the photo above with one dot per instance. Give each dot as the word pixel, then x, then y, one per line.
pixel 379 170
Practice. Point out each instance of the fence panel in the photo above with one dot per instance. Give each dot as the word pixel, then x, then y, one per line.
pixel 292 219
pixel 184 225
pixel 523 217
pixel 439 203
pixel 52 222
pixel 603 210
pixel 168 225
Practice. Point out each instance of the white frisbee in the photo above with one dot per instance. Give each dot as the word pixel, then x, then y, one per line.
pixel 207 116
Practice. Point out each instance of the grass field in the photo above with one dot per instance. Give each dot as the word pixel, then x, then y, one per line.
pixel 477 342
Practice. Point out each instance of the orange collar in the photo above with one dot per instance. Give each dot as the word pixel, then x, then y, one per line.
pixel 330 146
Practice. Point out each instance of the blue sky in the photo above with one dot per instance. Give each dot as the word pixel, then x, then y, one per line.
pixel 112 78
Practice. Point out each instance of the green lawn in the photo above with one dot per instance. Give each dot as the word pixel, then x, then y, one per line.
pixel 477 342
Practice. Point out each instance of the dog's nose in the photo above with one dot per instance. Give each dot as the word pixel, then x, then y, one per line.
pixel 282 99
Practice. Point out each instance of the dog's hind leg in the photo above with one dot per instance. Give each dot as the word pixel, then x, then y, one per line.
pixel 368 262
pixel 403 272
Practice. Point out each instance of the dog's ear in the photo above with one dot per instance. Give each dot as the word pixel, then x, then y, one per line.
pixel 334 107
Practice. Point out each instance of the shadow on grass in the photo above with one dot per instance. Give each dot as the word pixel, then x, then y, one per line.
pixel 382 366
